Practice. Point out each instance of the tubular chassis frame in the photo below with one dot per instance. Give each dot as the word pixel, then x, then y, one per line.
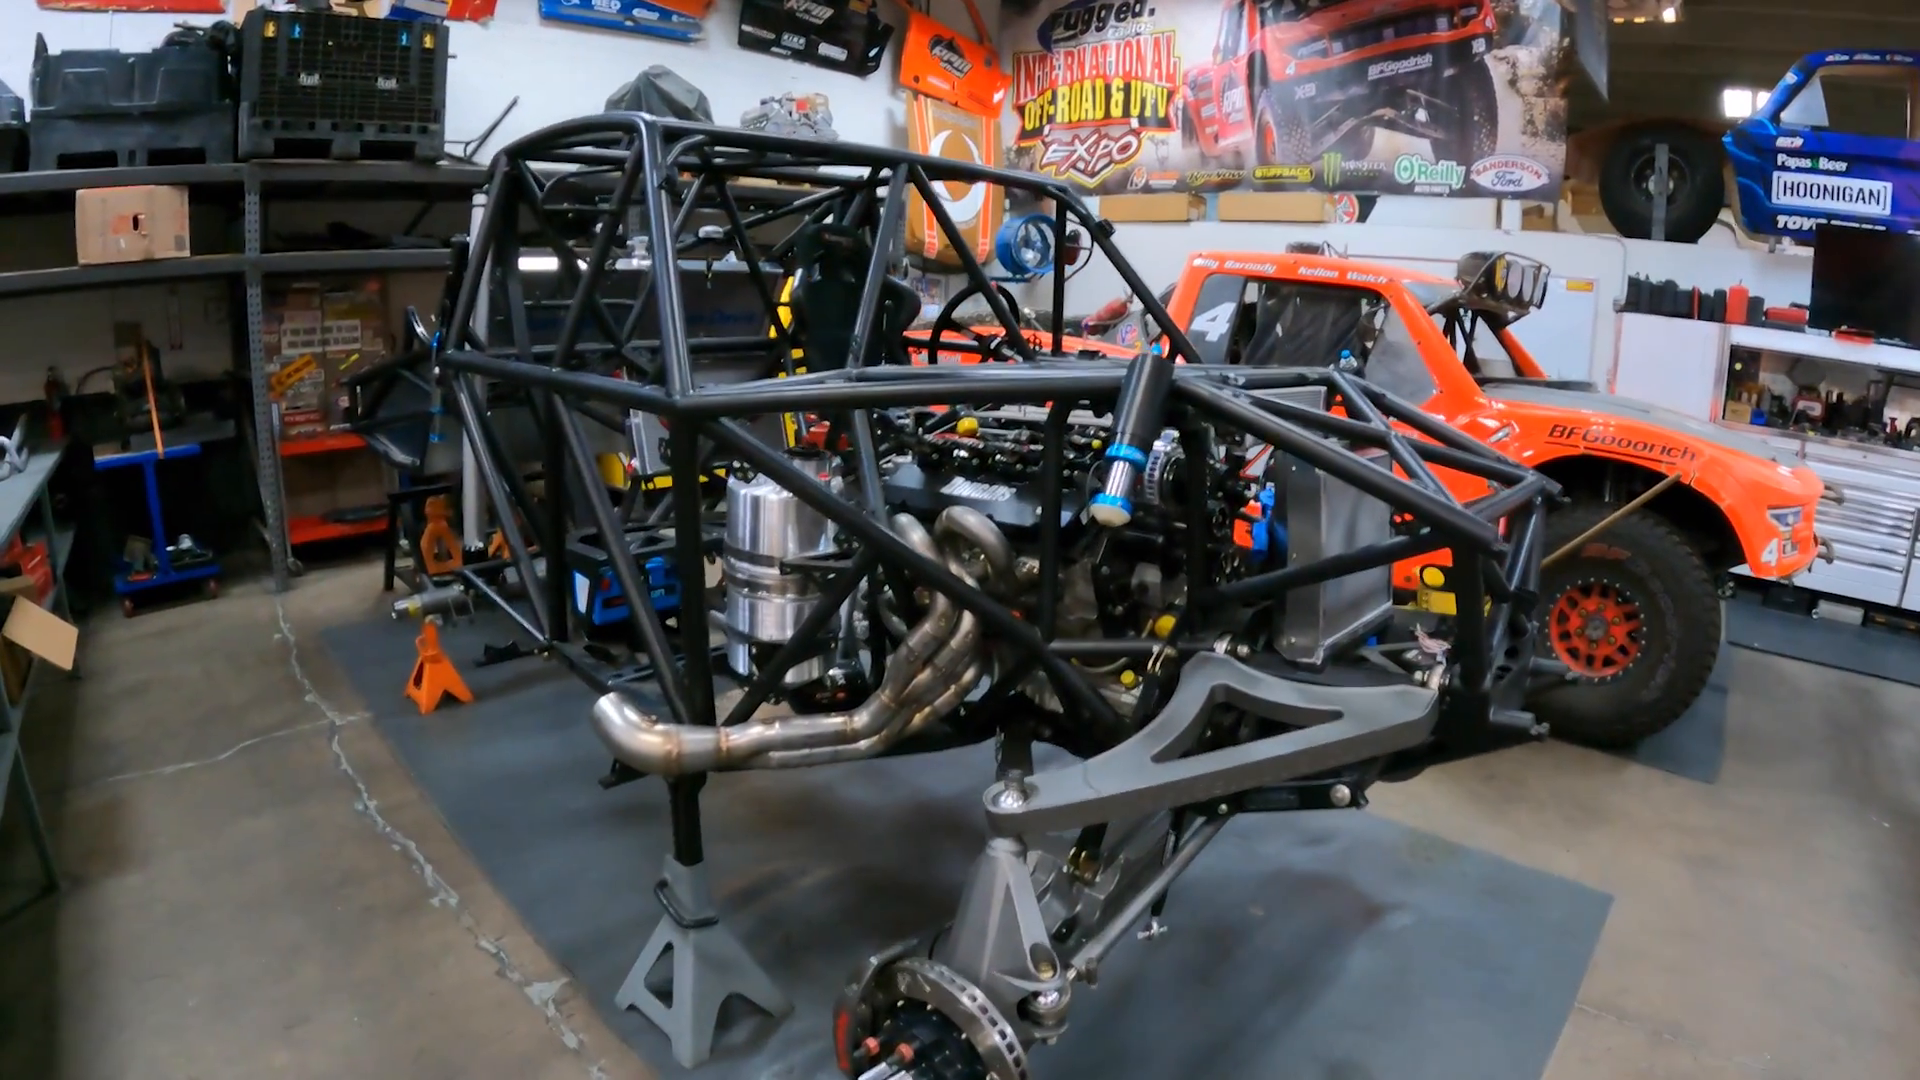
pixel 643 177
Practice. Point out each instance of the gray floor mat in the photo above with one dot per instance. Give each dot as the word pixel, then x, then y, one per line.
pixel 1863 650
pixel 1695 746
pixel 1326 945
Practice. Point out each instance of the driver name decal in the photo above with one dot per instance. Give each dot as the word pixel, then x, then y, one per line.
pixel 1604 439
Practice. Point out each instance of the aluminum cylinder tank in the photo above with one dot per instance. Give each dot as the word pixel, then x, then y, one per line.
pixel 767 525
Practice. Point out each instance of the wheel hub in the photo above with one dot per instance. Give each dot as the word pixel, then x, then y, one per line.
pixel 1595 629
pixel 1677 178
pixel 906 1017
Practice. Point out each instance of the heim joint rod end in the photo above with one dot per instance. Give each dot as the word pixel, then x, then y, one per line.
pixel 1137 421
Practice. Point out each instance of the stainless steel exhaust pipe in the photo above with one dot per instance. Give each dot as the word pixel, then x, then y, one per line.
pixel 936 692
pixel 921 677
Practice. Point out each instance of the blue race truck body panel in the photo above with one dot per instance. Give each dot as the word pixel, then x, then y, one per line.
pixel 1791 179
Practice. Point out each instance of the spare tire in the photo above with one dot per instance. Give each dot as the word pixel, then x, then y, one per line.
pixel 1696 188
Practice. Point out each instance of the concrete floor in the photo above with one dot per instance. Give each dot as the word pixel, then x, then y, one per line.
pixel 256 888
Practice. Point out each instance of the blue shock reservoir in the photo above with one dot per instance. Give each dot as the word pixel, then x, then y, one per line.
pixel 1138 419
pixel 1113 505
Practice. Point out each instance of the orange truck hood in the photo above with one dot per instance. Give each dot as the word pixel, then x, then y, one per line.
pixel 1743 474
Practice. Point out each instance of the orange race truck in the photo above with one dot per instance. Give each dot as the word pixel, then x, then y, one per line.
pixel 1634 610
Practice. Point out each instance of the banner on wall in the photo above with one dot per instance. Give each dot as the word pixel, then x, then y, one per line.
pixel 171 7
pixel 1419 97
pixel 938 129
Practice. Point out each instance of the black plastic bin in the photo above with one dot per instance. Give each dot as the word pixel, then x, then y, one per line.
pixel 318 85
pixel 102 108
pixel 13 130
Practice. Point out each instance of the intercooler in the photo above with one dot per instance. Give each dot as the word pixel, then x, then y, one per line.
pixel 1328 517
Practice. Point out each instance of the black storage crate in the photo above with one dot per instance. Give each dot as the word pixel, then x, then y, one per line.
pixel 13 130
pixel 102 108
pixel 318 85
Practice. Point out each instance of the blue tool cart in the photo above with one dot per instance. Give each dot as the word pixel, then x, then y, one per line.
pixel 164 564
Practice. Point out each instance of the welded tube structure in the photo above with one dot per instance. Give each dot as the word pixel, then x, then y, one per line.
pixel 618 190
pixel 622 204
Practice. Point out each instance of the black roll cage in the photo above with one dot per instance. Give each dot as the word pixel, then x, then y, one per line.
pixel 650 176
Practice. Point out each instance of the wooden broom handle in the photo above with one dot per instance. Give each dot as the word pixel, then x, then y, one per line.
pixel 153 407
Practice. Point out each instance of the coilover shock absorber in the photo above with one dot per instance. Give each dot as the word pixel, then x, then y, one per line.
pixel 1137 421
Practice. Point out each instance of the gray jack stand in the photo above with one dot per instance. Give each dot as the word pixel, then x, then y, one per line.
pixel 709 966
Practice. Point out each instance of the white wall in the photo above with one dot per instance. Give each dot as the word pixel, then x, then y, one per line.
pixel 558 70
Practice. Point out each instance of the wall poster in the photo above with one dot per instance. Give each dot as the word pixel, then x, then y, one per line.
pixel 1401 97
pixel 171 7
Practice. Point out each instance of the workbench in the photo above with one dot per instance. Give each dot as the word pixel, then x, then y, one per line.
pixel 26 511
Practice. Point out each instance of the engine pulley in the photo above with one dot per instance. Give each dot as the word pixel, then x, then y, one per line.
pixel 906 1017
pixel 1159 477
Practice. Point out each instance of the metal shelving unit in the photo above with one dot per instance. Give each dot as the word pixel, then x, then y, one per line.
pixel 26 510
pixel 253 186
pixel 235 175
pixel 109 275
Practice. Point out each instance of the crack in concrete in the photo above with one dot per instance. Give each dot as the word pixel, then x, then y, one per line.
pixel 182 766
pixel 541 994
pixel 1748 1064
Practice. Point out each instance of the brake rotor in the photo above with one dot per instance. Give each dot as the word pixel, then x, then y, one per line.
pixel 906 1016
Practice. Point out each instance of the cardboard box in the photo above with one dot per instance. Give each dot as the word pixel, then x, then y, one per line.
pixel 1304 207
pixel 1165 206
pixel 32 631
pixel 130 224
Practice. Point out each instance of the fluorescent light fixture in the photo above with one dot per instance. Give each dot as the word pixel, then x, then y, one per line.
pixel 1644 11
pixel 1739 102
pixel 539 264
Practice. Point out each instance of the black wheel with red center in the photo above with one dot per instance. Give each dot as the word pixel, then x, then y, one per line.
pixel 1594 629
pixel 1634 615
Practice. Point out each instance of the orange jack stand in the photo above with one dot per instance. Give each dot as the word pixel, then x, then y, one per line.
pixel 434 676
pixel 439 545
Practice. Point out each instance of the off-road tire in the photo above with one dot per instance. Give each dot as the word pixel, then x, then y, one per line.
pixel 1280 135
pixel 1700 192
pixel 1475 131
pixel 1644 557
